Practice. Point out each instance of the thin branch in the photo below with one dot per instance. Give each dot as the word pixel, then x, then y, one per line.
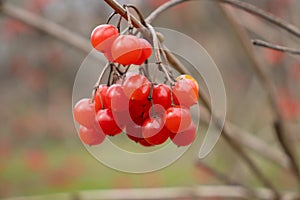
pixel 238 4
pixel 266 82
pixel 170 193
pixel 282 136
pixel 61 33
pixel 238 149
pixel 47 26
pixel 265 44
pixel 218 175
pixel 250 141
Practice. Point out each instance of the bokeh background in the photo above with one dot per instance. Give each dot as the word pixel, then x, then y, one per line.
pixel 40 151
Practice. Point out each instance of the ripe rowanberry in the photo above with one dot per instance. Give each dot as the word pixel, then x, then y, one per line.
pixel 137 87
pixel 146 51
pixel 126 50
pixel 107 122
pixel 185 93
pixel 178 119
pixel 103 36
pixel 84 112
pixel 185 137
pixel 154 131
pixel 91 136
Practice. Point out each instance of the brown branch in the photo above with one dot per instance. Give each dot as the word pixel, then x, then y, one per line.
pixel 270 88
pixel 286 148
pixel 238 4
pixel 266 82
pixel 250 141
pixel 265 44
pixel 57 31
pixel 238 149
pixel 47 26
pixel 199 192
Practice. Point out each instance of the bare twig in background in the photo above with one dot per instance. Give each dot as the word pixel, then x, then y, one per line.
pixel 238 149
pixel 251 142
pixel 13 12
pixel 265 44
pixel 218 175
pixel 238 4
pixel 47 26
pixel 79 42
pixel 266 82
pixel 171 193
pixel 282 136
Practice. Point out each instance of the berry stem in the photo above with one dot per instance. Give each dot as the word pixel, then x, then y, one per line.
pixel 98 83
pixel 142 19
pixel 130 26
pixel 110 17
pixel 157 54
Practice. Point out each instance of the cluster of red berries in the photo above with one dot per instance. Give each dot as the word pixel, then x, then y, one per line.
pixel 148 113
pixel 122 49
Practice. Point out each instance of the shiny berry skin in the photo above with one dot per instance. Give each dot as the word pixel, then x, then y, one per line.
pixel 146 51
pixel 137 87
pixel 134 132
pixel 126 50
pixel 189 77
pixel 91 136
pixel 99 99
pixel 108 56
pixel 107 122
pixel 139 111
pixel 84 112
pixel 116 99
pixel 178 119
pixel 103 36
pixel 154 131
pixel 184 93
pixel 144 143
pixel 185 137
pixel 162 95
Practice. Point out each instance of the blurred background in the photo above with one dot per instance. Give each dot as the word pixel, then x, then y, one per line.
pixel 40 151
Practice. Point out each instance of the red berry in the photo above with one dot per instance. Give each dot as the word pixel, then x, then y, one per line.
pixel 144 143
pixel 91 136
pixel 139 110
pixel 126 49
pixel 134 132
pixel 185 93
pixel 84 112
pixel 178 119
pixel 107 122
pixel 100 97
pixel 116 99
pixel 103 36
pixel 137 87
pixel 162 95
pixel 146 51
pixel 185 137
pixel 108 56
pixel 154 131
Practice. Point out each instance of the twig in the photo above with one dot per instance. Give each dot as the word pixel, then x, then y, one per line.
pixel 270 88
pixel 220 176
pixel 47 26
pixel 286 148
pixel 238 149
pixel 61 33
pixel 262 43
pixel 238 4
pixel 253 143
pixel 203 191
